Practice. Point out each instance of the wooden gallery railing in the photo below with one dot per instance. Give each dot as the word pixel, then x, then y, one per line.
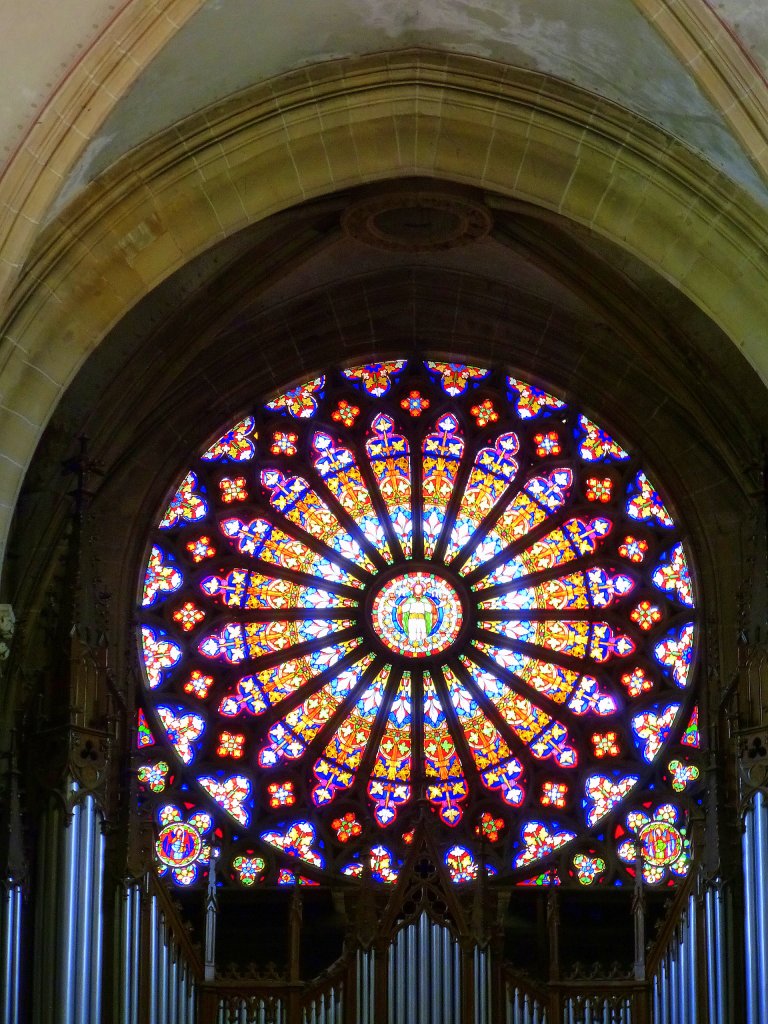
pixel 422 973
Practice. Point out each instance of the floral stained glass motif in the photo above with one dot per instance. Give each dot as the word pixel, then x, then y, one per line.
pixel 455 378
pixel 484 610
pixel 161 578
pixel 237 445
pixel 300 402
pixel 376 378
pixel 187 506
pixel 660 838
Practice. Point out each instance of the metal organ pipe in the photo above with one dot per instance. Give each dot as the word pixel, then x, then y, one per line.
pixel 82 911
pixel 681 956
pixel 67 948
pixel 10 928
pixel 97 904
pixel 422 959
pixel 761 903
pixel 693 993
pixel 748 857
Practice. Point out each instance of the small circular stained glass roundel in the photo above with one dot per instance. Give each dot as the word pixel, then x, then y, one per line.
pixel 661 843
pixel 178 844
pixel 417 614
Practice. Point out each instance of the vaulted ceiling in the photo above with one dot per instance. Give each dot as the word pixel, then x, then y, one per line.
pixel 174 183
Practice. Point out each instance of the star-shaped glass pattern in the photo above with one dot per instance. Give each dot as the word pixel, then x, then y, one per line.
pixel 348 623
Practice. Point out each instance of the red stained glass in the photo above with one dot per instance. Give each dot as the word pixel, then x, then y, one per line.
pixel 547 444
pixel 414 403
pixel 281 794
pixel 283 443
pixel 201 549
pixel 233 489
pixel 484 413
pixel 345 413
pixel 598 488
pixel 633 549
pixel 346 827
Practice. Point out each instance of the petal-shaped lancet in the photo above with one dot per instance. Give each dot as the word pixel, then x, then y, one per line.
pixel 445 782
pixel 442 452
pixel 293 497
pixel 492 472
pixel 389 457
pixel 337 466
pixel 574 539
pixel 290 736
pixel 564 592
pixel 540 498
pixel 389 786
pixel 544 677
pixel 498 769
pixel 260 539
pixel 254 694
pixel 575 591
pixel 236 641
pixel 241 588
pixel 578 638
pixel 341 758
pixel 582 692
pixel 544 736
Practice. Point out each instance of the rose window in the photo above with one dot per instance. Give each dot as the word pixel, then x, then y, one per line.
pixel 417 595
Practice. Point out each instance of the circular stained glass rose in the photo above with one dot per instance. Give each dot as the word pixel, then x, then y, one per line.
pixel 407 588
pixel 417 614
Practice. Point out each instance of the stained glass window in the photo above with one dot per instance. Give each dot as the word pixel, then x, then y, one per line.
pixel 412 592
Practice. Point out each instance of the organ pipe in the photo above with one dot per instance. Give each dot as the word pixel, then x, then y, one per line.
pixel 761 903
pixel 751 925
pixel 10 929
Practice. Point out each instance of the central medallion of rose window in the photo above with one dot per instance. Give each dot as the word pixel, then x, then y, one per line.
pixel 418 614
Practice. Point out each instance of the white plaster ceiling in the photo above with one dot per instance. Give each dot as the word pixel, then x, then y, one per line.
pixel 41 41
pixel 605 46
pixel 748 20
